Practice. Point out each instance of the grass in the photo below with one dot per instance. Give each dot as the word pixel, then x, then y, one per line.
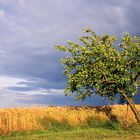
pixel 76 134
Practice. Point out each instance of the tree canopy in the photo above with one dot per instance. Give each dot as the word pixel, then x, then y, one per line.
pixel 98 65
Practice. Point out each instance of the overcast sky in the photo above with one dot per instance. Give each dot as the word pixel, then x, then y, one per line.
pixel 30 72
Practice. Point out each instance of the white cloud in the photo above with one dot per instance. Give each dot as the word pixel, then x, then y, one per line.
pixel 7 81
pixel 44 92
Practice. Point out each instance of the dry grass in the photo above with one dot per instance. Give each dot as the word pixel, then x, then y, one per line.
pixel 22 119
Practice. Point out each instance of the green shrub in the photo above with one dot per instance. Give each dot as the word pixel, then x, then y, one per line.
pixel 113 125
pixel 92 122
pixel 52 124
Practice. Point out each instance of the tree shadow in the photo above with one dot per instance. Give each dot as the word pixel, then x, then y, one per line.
pixel 108 112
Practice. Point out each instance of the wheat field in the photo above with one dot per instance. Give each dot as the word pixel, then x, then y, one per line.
pixel 25 119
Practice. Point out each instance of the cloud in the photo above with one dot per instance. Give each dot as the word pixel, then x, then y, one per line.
pixel 31 29
pixel 6 82
pixel 27 100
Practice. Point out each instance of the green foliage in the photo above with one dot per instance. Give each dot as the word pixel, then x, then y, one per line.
pixel 98 65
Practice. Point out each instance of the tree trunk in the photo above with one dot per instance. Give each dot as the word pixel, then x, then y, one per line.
pixel 132 106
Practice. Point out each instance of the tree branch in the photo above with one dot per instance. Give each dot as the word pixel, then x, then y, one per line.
pixel 137 77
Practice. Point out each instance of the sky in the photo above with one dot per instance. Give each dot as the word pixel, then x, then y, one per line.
pixel 30 71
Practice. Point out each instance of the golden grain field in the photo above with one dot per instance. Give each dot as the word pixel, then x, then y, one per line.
pixel 22 119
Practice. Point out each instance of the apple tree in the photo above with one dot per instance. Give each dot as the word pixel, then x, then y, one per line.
pixel 98 65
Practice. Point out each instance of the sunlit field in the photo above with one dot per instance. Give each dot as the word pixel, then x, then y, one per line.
pixel 47 118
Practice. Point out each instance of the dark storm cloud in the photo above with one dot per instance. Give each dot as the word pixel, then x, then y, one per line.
pixel 61 100
pixel 132 13
pixel 31 29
